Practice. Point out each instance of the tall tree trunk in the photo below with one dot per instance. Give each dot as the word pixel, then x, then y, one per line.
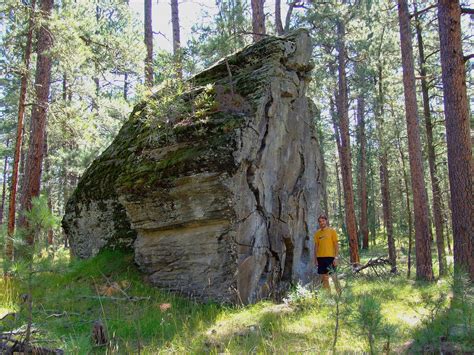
pixel 384 174
pixel 258 20
pixel 19 136
pixel 67 92
pixel 278 23
pixel 48 184
pixel 346 164
pixel 339 198
pixel 447 215
pixel 148 44
pixel 372 218
pixel 408 205
pixel 339 149
pixel 364 222
pixel 4 183
pixel 65 196
pixel 456 110
pixel 64 93
pixel 125 86
pixel 424 269
pixel 96 79
pixel 437 209
pixel 387 210
pixel 21 170
pixel 176 38
pixel 291 7
pixel 34 161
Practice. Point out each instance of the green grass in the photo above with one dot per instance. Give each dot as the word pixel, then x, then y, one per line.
pixel 67 301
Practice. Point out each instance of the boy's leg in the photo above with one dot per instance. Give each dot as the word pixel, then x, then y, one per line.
pixel 325 278
pixel 337 285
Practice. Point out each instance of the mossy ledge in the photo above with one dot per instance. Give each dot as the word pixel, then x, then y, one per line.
pixel 215 183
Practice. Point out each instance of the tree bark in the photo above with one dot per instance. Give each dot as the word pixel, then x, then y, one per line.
pixel 32 181
pixel 364 222
pixel 424 269
pixel 176 38
pixel 456 110
pixel 346 164
pixel 19 136
pixel 436 191
pixel 148 44
pixel 4 183
pixel 278 23
pixel 258 20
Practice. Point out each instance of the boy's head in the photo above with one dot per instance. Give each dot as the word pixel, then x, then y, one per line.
pixel 323 221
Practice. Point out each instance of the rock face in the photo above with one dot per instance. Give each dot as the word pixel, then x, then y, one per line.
pixel 217 187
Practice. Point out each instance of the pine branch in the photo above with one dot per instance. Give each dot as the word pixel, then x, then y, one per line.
pixel 467 10
pixel 431 54
pixel 89 41
pixel 468 57
pixel 422 11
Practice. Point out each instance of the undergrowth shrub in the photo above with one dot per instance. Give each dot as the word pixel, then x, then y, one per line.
pixel 368 319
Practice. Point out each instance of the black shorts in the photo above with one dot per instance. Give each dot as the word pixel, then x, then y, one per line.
pixel 325 265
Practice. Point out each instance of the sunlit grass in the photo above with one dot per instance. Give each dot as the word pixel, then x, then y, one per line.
pixel 69 296
pixel 8 296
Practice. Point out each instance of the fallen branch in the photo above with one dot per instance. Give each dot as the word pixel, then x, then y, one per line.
pixel 373 264
pixel 17 332
pixel 12 315
pixel 23 348
pixel 63 314
pixel 131 299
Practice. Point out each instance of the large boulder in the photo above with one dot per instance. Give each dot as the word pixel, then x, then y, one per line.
pixel 218 187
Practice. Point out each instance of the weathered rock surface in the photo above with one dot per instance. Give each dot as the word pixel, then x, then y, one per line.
pixel 219 187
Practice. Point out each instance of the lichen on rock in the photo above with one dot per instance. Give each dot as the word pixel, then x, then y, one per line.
pixel 218 185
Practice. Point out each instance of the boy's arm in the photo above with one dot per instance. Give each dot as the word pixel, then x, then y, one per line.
pixel 336 247
pixel 315 251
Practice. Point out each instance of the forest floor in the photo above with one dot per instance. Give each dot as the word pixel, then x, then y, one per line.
pixel 387 313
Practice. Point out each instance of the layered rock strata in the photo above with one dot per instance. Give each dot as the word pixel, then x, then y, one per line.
pixel 218 187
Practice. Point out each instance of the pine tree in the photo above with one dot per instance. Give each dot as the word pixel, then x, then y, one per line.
pixel 34 160
pixel 436 191
pixel 424 268
pixel 363 221
pixel 19 134
pixel 346 162
pixel 459 142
